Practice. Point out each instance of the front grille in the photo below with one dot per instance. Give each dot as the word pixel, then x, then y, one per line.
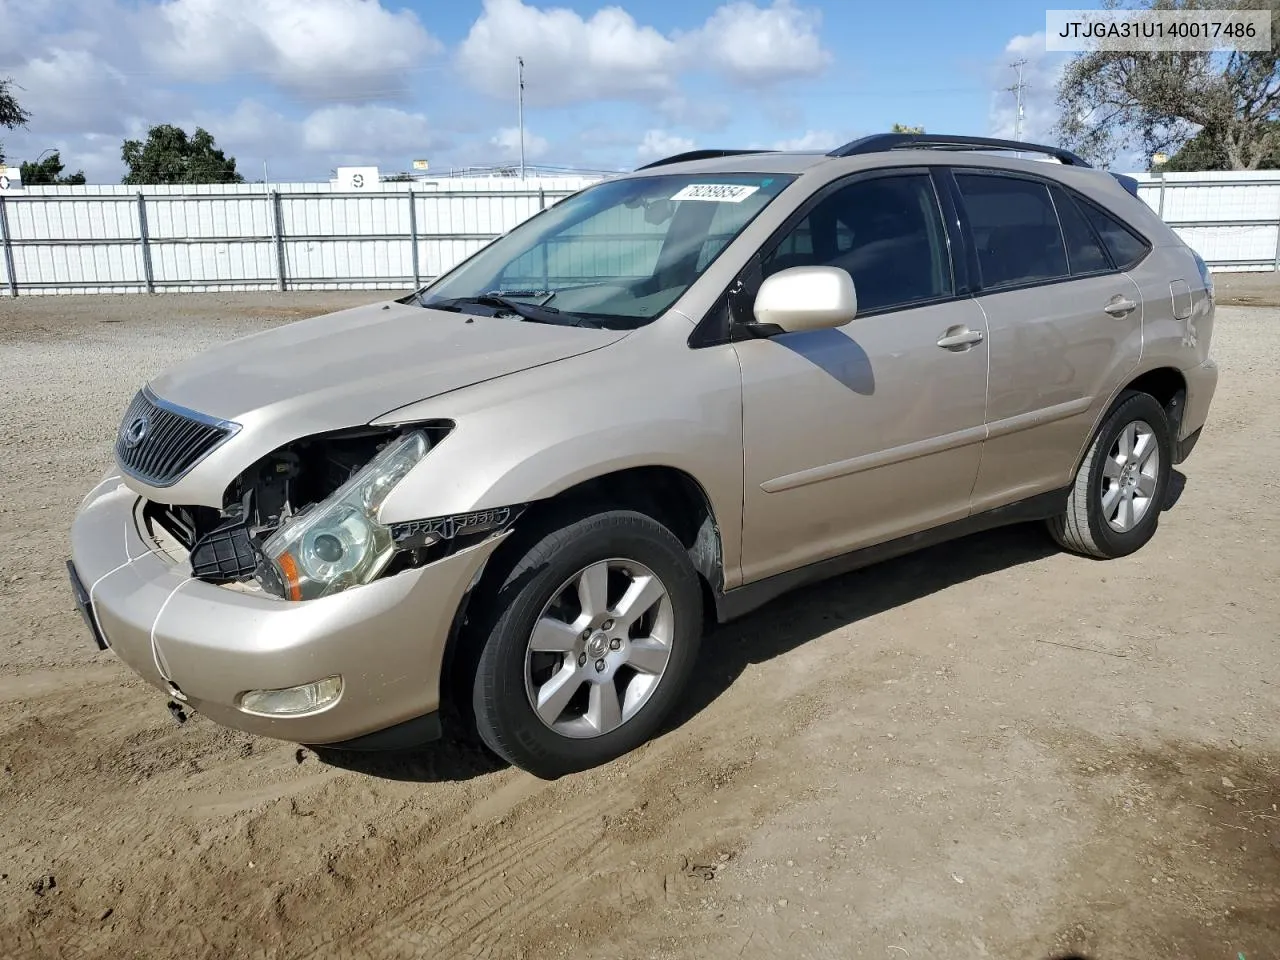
pixel 159 442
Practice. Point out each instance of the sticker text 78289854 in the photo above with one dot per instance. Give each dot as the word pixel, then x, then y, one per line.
pixel 717 192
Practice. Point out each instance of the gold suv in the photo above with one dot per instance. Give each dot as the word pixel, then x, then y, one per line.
pixel 526 489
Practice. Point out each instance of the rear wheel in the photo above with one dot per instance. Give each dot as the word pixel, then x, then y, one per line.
pixel 1114 505
pixel 594 635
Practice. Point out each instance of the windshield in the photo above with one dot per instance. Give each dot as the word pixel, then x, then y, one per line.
pixel 617 254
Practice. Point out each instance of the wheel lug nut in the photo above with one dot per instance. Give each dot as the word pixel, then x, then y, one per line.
pixel 607 625
pixel 582 659
pixel 599 666
pixel 586 634
pixel 615 644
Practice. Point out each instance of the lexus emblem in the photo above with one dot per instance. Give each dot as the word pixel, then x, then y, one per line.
pixel 136 431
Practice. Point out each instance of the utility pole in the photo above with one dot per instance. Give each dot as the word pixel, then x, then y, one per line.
pixel 520 109
pixel 1017 89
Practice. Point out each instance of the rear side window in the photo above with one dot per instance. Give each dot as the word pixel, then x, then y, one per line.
pixel 1084 250
pixel 1015 230
pixel 887 232
pixel 1125 246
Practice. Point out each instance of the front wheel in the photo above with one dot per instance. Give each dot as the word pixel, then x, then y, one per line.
pixel 596 633
pixel 1115 502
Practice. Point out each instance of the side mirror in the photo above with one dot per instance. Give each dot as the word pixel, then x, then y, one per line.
pixel 806 298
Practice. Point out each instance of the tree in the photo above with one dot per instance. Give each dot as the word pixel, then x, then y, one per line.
pixel 1113 100
pixel 169 156
pixel 1203 152
pixel 902 128
pixel 49 170
pixel 12 115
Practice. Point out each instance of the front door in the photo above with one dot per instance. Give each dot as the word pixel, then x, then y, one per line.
pixel 871 431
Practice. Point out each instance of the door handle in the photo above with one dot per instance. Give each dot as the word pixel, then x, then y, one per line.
pixel 960 338
pixel 1120 306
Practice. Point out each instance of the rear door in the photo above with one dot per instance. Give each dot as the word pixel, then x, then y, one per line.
pixel 1064 322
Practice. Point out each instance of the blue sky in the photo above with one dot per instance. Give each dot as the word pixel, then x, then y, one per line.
pixel 307 85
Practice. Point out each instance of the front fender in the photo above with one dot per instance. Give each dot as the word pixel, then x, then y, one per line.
pixel 533 435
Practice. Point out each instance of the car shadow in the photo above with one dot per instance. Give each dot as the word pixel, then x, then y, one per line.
pixel 455 757
pixel 1177 484
pixel 810 612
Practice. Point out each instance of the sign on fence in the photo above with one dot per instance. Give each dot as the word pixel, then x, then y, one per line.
pixel 357 178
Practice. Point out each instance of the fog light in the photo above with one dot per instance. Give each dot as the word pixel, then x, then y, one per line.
pixel 292 701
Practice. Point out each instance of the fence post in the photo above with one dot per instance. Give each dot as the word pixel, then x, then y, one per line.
pixel 1275 267
pixel 1160 202
pixel 277 229
pixel 413 237
pixel 542 199
pixel 8 250
pixel 145 239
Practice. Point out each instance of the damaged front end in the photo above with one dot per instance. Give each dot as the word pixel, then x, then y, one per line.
pixel 302 523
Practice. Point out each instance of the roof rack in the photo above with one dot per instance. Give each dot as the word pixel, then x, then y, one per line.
pixel 879 142
pixel 699 155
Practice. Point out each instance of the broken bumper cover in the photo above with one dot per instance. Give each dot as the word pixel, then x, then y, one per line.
pixel 207 645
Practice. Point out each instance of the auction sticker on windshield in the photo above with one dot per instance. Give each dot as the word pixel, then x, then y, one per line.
pixel 718 192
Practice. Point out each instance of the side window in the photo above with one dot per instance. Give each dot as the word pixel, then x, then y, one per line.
pixel 1015 229
pixel 886 232
pixel 1084 251
pixel 1126 247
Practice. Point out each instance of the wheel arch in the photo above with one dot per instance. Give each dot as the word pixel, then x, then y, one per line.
pixel 669 495
pixel 1166 384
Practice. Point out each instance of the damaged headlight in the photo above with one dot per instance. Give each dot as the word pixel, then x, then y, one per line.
pixel 339 543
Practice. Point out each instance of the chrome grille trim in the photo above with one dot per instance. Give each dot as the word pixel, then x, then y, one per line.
pixel 174 439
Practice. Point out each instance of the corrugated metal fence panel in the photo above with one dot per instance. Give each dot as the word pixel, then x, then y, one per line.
pixel 234 236
pixel 1232 218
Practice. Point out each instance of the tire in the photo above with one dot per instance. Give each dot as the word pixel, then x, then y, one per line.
pixel 647 647
pixel 1094 522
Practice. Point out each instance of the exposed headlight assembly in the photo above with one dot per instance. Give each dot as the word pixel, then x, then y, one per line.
pixel 339 543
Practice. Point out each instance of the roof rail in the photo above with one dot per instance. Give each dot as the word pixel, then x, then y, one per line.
pixel 698 155
pixel 879 142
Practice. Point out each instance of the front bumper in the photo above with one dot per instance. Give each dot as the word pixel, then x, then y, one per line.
pixel 204 645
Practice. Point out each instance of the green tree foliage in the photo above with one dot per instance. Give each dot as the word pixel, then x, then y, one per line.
pixel 12 115
pixel 903 128
pixel 1115 100
pixel 170 156
pixel 1205 152
pixel 49 170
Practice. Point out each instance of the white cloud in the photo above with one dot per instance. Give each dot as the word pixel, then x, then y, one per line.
pixel 662 143
pixel 348 49
pixel 571 58
pixel 349 130
pixel 819 140
pixel 1040 76
pixel 756 45
pixel 567 58
pixel 507 140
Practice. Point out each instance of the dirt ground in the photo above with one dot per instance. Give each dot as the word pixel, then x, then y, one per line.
pixel 989 749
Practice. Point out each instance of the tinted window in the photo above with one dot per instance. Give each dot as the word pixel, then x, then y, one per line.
pixel 886 232
pixel 1084 252
pixel 1126 247
pixel 1015 229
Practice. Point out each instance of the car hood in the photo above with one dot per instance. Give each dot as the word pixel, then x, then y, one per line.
pixel 347 368
pixel 343 370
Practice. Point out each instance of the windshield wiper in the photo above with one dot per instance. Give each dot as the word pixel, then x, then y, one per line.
pixel 526 311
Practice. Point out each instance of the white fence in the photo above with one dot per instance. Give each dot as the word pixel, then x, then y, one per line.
pixel 307 236
pixel 1232 219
